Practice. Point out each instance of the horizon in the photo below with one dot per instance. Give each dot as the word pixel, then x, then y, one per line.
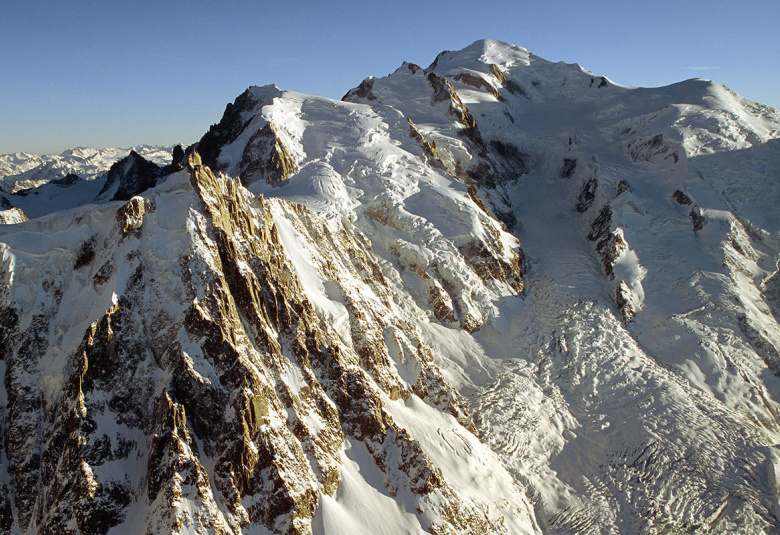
pixel 90 75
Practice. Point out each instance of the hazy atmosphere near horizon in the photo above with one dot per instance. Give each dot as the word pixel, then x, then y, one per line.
pixel 120 74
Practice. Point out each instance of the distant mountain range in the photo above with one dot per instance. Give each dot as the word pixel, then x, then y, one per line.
pixel 22 170
pixel 494 295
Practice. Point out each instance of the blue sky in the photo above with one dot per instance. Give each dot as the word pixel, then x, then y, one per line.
pixel 101 74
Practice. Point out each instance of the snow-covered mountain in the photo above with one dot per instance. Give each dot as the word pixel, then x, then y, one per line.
pixel 22 170
pixel 321 319
pixel 108 174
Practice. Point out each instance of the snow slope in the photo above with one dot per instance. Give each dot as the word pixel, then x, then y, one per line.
pixel 343 334
pixel 20 171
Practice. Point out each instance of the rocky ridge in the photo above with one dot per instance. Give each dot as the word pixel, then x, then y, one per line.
pixel 20 171
pixel 325 323
pixel 239 397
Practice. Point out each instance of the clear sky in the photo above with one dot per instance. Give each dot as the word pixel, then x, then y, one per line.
pixel 100 74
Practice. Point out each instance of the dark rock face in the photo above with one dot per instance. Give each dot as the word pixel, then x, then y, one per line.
pixel 697 219
pixel 477 82
pixel 264 157
pixel 645 150
pixel 86 253
pixel 227 130
pixel 170 401
pixel 624 303
pixel 601 225
pixel 761 342
pixel 177 158
pixel 429 148
pixel 681 198
pixel 482 256
pixel 514 161
pixel 610 245
pixel 443 91
pixel 130 176
pixel 363 91
pixel 587 195
pixel 67 180
pixel 568 167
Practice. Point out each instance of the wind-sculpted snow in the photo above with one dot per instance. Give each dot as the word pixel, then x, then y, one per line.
pixel 618 263
pixel 325 323
pixel 196 359
pixel 375 172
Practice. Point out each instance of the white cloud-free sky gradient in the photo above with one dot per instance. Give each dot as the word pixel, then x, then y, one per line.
pixel 90 73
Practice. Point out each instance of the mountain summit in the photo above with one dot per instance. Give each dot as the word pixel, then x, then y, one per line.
pixel 493 295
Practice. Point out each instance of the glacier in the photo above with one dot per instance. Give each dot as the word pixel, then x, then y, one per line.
pixel 494 295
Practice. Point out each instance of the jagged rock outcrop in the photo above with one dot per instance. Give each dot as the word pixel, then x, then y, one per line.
pixel 587 195
pixel 67 180
pixel 697 219
pixel 129 177
pixel 11 216
pixel 568 167
pixel 320 319
pixel 263 156
pixel 238 396
pixel 227 130
pixel 24 171
pixel 655 148
pixel 681 198
pixel 177 158
pixel 266 157
pixel 614 251
pixel 363 91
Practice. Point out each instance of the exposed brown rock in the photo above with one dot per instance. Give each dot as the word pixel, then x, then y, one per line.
pixel 444 92
pixel 645 150
pixel 86 253
pixel 624 302
pixel 609 244
pixel 206 378
pixel 363 91
pixel 601 225
pixel 496 71
pixel 508 84
pixel 12 215
pixel 609 249
pixel 487 261
pixel 768 352
pixel 266 157
pixel 441 302
pixel 477 82
pixel 131 216
pixel 429 148
pixel 177 158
